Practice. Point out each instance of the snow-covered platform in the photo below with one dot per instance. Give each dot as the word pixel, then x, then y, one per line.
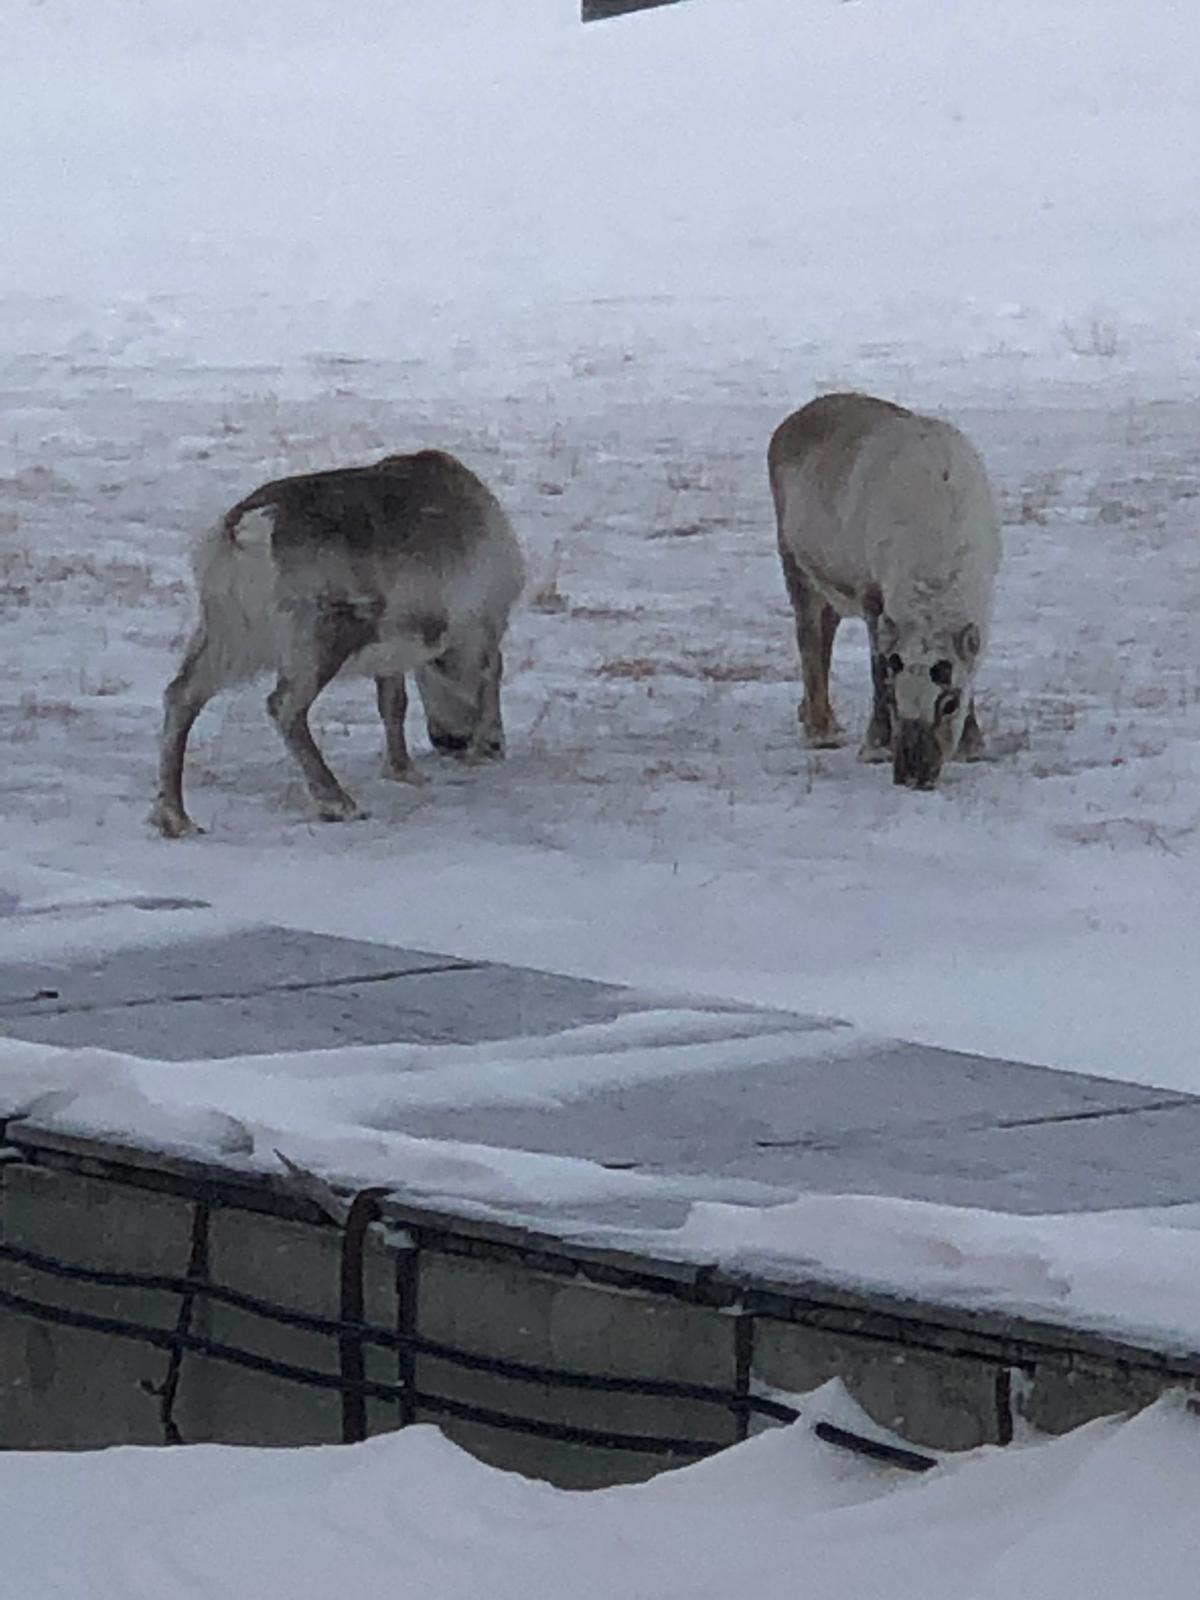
pixel 792 1103
pixel 597 1229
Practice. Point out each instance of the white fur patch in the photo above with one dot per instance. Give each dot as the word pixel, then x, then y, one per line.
pixel 254 529
pixel 899 506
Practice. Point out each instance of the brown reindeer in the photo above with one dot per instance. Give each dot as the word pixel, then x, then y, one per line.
pixel 408 565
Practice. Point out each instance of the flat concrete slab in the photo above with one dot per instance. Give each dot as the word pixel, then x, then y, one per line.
pixel 882 1118
pixel 261 990
pixel 899 1119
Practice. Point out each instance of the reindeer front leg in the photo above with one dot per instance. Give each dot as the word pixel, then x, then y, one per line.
pixel 877 746
pixel 315 656
pixel 816 628
pixel 972 746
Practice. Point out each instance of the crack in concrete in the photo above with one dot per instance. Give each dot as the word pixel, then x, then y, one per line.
pixel 27 1005
pixel 1096 1114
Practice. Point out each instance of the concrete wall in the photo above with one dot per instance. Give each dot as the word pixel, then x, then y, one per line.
pixel 563 1321
pixel 946 1402
pixel 938 1378
pixel 62 1388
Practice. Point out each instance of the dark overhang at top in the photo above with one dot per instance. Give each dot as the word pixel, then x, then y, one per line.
pixel 597 10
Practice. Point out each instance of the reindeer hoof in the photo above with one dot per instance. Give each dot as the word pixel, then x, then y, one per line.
pixel 486 750
pixel 173 822
pixel 449 744
pixel 339 808
pixel 821 731
pixel 405 774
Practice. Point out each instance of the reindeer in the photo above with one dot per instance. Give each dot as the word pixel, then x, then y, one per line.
pixel 888 516
pixel 408 565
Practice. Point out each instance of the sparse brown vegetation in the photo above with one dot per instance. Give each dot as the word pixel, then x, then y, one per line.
pixel 681 530
pixel 637 668
pixel 38 708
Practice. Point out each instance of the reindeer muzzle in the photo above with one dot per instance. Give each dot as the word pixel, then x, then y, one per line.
pixel 917 763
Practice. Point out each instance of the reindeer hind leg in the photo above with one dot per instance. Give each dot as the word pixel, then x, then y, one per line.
pixel 189 691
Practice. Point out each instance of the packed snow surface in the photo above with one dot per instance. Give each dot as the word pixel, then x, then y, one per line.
pixel 1102 1514
pixel 601 263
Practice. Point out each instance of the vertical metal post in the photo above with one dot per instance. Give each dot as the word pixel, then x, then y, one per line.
pixel 364 1209
pixel 197 1273
pixel 408 1286
pixel 743 1344
pixel 1004 1405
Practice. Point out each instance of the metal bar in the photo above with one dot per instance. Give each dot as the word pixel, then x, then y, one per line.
pixel 371 1334
pixel 408 1289
pixel 743 1346
pixel 565 1433
pixel 197 1272
pixel 893 1455
pixel 440 1405
pixel 1004 1405
pixel 364 1209
pixel 170 1338
pixel 436 1405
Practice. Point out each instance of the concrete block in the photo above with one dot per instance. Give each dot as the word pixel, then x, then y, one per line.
pixel 944 1402
pixel 67 1388
pixel 1059 1396
pixel 509 1310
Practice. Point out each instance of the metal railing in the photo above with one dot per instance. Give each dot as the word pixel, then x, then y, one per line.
pixel 352 1335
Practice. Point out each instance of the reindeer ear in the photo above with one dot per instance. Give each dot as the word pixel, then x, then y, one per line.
pixel 967 642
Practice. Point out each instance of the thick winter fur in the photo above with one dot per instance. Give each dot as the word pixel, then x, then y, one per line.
pixel 406 566
pixel 888 516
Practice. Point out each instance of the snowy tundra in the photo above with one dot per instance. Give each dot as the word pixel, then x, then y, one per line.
pixel 970 230
pixel 888 516
pixel 407 565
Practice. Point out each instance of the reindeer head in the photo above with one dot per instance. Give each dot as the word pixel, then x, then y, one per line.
pixel 930 679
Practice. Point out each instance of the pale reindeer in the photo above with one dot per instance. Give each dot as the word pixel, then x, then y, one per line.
pixel 405 566
pixel 888 516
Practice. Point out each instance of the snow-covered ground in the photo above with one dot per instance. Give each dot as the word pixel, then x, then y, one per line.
pixel 1105 1513
pixel 601 263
